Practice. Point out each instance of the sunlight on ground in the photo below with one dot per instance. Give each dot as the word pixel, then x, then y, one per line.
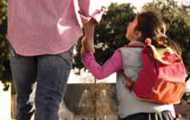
pixel 5 103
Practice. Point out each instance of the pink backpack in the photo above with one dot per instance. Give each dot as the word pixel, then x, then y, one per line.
pixel 161 80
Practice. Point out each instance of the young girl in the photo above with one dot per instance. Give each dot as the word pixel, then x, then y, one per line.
pixel 146 26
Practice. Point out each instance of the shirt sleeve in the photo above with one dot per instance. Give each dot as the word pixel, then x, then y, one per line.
pixel 92 9
pixel 113 64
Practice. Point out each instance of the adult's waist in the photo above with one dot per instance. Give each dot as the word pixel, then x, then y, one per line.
pixel 44 43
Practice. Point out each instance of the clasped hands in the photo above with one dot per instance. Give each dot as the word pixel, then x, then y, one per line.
pixel 87 41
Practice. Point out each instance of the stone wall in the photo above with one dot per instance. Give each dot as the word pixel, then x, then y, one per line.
pixel 90 102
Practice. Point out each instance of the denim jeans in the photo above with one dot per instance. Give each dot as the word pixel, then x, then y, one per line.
pixel 50 72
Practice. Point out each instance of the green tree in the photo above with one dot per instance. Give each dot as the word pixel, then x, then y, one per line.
pixel 3 9
pixel 4 54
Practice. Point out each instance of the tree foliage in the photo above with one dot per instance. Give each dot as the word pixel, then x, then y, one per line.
pixel 4 53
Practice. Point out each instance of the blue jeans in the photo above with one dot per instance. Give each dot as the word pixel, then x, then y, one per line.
pixel 50 72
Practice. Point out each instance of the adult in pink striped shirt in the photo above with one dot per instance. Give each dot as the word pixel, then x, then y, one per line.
pixel 41 34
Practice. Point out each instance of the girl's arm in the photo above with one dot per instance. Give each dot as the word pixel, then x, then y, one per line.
pixel 113 64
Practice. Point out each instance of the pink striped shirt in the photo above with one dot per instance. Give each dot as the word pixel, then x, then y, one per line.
pixel 37 27
pixel 113 64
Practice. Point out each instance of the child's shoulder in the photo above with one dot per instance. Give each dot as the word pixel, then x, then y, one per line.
pixel 131 47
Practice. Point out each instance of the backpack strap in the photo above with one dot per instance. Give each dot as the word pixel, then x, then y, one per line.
pixel 156 54
pixel 128 82
pixel 134 46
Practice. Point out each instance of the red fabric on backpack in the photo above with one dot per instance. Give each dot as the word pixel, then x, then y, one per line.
pixel 159 82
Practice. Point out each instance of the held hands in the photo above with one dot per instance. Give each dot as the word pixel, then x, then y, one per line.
pixel 86 46
pixel 87 40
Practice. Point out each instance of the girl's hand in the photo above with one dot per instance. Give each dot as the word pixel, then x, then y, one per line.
pixel 88 26
pixel 82 50
pixel 86 46
pixel 88 38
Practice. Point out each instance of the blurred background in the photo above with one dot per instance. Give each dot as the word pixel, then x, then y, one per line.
pixel 109 36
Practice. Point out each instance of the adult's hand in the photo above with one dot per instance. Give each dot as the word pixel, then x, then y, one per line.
pixel 88 36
